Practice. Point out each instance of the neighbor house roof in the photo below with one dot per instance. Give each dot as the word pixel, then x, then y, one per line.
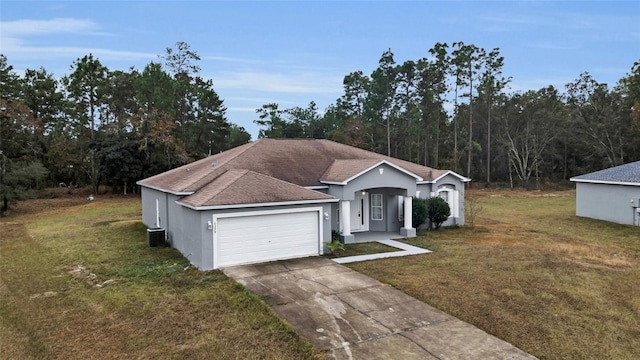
pixel 238 186
pixel 627 174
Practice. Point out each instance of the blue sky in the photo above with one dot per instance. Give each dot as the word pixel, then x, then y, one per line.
pixel 295 52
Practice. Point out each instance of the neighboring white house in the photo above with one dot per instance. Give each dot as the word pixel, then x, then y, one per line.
pixel 282 198
pixel 611 194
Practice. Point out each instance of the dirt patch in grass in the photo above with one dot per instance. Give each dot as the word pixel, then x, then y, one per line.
pixel 56 252
pixel 533 274
pixel 592 255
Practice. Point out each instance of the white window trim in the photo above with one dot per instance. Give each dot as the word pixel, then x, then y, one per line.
pixel 453 200
pixel 381 206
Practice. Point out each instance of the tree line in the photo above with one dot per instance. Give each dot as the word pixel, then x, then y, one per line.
pixel 96 126
pixel 453 109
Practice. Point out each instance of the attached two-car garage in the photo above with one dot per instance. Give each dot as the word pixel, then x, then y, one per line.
pixel 250 237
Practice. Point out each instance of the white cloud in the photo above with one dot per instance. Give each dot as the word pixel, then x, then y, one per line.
pixel 231 59
pixel 242 109
pixel 308 83
pixel 72 51
pixel 15 35
pixel 257 100
pixel 26 27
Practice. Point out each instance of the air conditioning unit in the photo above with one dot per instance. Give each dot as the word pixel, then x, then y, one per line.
pixel 155 237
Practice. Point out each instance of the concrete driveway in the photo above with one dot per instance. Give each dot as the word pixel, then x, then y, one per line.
pixel 352 316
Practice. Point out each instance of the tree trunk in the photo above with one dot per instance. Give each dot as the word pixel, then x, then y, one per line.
pixel 564 166
pixel 455 128
pixel 437 143
pixel 470 142
pixel 489 140
pixel 5 204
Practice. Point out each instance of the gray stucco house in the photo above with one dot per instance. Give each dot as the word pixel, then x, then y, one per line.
pixel 611 194
pixel 282 198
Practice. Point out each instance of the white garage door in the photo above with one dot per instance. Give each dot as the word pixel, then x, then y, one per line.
pixel 265 237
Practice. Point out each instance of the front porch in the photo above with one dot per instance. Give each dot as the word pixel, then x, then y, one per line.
pixel 375 214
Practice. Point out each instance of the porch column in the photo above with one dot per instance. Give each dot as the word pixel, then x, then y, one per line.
pixel 407 230
pixel 345 222
pixel 408 210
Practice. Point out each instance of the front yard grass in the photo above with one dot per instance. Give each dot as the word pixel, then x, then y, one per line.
pixel 367 248
pixel 54 252
pixel 533 274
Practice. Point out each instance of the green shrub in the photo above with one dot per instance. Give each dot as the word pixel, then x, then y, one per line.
pixel 419 212
pixel 438 211
pixel 335 246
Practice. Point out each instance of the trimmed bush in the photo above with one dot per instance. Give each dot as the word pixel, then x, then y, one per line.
pixel 438 211
pixel 419 212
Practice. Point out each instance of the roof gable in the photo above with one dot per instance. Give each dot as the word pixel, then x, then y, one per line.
pixel 627 174
pixel 343 171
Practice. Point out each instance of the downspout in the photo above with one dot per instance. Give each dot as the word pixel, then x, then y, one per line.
pixel 166 233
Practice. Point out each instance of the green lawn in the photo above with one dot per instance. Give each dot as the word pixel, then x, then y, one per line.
pixel 156 307
pixel 530 272
pixel 533 274
pixel 366 248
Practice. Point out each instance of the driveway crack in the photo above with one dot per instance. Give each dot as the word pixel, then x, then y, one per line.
pixel 395 332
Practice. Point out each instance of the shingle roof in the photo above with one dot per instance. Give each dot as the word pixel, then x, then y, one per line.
pixel 301 162
pixel 248 187
pixel 627 174
pixel 341 170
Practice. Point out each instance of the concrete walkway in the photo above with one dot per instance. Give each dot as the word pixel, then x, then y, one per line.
pixel 352 316
pixel 406 249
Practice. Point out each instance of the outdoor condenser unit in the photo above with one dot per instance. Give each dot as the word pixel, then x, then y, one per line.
pixel 155 237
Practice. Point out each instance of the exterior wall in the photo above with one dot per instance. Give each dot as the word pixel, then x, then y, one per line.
pixel 389 220
pixel 607 202
pixel 174 222
pixel 393 214
pixel 174 218
pixel 149 198
pixel 454 182
pixel 390 178
pixel 458 186
pixel 390 183
pixel 187 229
pixel 189 239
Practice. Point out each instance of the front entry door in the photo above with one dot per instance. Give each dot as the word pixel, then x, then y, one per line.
pixel 360 212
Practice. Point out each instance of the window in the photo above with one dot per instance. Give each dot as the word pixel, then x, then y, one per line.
pixel 376 206
pixel 448 194
pixel 444 194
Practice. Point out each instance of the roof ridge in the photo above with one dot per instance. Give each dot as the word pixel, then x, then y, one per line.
pixel 240 175
pixel 222 165
pixel 279 180
pixel 250 145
